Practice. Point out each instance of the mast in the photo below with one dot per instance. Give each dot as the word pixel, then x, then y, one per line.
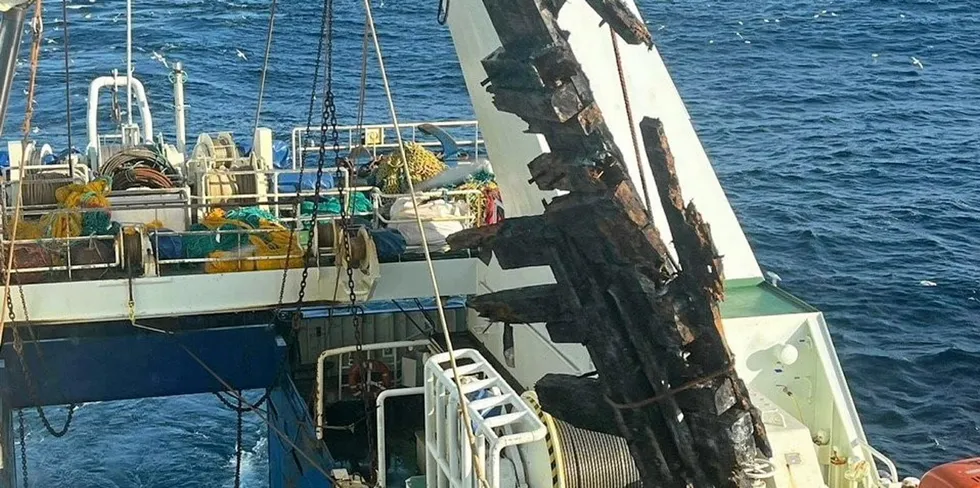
pixel 178 77
pixel 11 27
pixel 130 132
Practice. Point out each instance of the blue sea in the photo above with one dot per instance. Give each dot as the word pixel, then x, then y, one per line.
pixel 846 133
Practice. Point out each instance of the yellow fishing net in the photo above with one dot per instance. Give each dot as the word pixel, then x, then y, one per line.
pixel 422 164
pixel 67 221
pixel 273 243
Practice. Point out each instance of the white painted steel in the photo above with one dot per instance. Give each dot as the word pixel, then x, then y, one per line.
pixel 448 455
pixel 94 301
pixel 380 427
pixel 475 144
pixel 93 107
pixel 179 121
pixel 340 351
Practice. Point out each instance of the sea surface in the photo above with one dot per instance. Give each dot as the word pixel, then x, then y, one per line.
pixel 846 134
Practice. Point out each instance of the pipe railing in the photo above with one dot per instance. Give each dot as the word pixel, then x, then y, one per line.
pixel 410 132
pixel 343 367
pixel 64 244
pixel 235 254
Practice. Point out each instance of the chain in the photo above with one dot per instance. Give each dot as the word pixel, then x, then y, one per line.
pixel 28 380
pixel 302 166
pixel 116 111
pixel 329 113
pixel 442 14
pixel 22 431
pixel 32 388
pixel 37 27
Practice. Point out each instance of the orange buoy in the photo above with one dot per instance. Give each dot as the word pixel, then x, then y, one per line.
pixel 379 376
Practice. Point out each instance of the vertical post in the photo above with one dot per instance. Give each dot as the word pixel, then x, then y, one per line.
pixel 129 62
pixel 11 27
pixel 179 107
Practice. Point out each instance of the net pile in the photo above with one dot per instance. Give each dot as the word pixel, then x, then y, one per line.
pixel 68 220
pixel 422 165
pixel 236 251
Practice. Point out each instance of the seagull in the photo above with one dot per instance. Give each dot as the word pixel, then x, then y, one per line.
pixel 159 57
pixel 916 62
pixel 241 54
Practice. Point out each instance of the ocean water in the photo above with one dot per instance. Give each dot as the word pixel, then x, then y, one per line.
pixel 844 132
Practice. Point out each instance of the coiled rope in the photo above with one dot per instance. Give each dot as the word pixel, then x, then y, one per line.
pixel 140 177
pixel 422 164
pixel 140 156
pixel 141 166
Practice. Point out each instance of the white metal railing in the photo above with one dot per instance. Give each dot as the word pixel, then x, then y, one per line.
pixel 876 454
pixel 272 177
pixel 500 418
pixel 344 355
pixel 472 141
pixel 56 244
pixel 236 254
pixel 380 427
pixel 182 209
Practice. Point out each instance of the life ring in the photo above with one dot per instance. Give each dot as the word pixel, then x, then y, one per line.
pixel 374 369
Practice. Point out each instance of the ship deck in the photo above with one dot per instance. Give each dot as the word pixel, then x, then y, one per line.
pixel 758 298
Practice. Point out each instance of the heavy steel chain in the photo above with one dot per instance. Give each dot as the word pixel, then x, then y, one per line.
pixel 22 432
pixel 19 349
pixel 329 113
pixel 302 159
pixel 32 389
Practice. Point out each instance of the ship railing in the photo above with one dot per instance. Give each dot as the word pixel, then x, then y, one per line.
pixel 499 417
pixel 64 246
pixel 380 138
pixel 237 254
pixel 343 358
pixel 272 178
pixel 875 479
pixel 174 212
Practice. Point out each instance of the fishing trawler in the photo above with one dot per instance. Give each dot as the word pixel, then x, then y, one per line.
pixel 318 267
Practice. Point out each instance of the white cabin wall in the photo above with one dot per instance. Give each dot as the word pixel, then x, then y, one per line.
pixel 652 93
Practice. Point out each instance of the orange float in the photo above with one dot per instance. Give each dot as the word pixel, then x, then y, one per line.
pixel 958 474
pixel 379 376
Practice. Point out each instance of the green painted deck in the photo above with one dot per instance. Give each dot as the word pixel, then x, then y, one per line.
pixel 754 298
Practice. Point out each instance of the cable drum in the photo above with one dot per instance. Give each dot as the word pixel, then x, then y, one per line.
pixel 141 166
pixel 39 187
pixel 594 459
pixel 138 156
